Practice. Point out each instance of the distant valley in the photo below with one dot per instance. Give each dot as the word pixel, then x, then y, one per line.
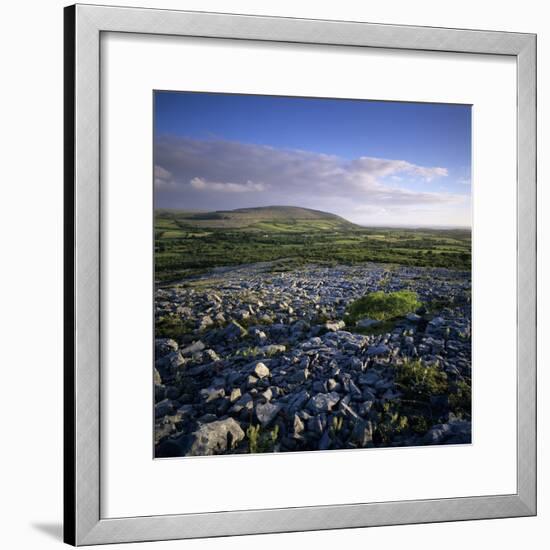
pixel 187 243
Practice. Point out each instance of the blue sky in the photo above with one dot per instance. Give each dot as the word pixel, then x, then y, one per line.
pixel 372 162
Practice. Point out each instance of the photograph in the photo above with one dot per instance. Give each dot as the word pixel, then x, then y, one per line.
pixel 312 274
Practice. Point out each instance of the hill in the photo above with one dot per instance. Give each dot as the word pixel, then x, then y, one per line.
pixel 264 218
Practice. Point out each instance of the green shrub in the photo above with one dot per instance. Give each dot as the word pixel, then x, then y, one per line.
pixel 248 352
pixel 247 322
pixel 381 327
pixel 419 381
pixel 391 422
pixel 253 434
pixel 382 306
pixel 460 399
pixel 336 426
pixel 274 435
pixel 419 424
pixel 261 441
pixel 172 327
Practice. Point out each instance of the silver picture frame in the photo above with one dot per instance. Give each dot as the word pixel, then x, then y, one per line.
pixel 83 524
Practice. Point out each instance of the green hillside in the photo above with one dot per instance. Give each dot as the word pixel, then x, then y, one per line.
pixel 265 218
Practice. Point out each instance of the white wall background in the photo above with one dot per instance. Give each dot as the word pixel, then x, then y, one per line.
pixel 31 275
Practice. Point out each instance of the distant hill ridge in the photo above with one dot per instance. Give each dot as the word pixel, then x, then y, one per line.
pixel 262 217
pixel 277 213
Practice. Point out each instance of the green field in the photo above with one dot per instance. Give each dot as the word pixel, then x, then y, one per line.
pixel 188 243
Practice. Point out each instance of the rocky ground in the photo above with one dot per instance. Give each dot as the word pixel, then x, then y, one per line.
pixel 255 360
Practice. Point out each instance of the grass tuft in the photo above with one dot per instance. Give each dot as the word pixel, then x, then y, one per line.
pixel 383 306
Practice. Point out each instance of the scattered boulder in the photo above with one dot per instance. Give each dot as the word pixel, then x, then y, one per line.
pixel 301 375
pixel 261 371
pixel 266 413
pixel 300 327
pixel 367 323
pixel 156 377
pixel 297 427
pixel 235 395
pixel 413 317
pixel 272 349
pixel 170 363
pixel 234 331
pixel 323 402
pixel 245 402
pixel 211 394
pixel 163 346
pixel 259 335
pixel 378 350
pixel 362 433
pixel 297 401
pixel 333 326
pixel 195 347
pixel 213 438
pixel 164 407
pixel 436 322
pixel 211 355
pixel 205 322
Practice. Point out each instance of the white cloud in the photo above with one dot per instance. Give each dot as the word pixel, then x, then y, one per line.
pixel 226 187
pixel 375 168
pixel 163 178
pixel 218 174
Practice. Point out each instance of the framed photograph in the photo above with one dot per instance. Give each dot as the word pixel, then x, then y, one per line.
pixel 298 252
